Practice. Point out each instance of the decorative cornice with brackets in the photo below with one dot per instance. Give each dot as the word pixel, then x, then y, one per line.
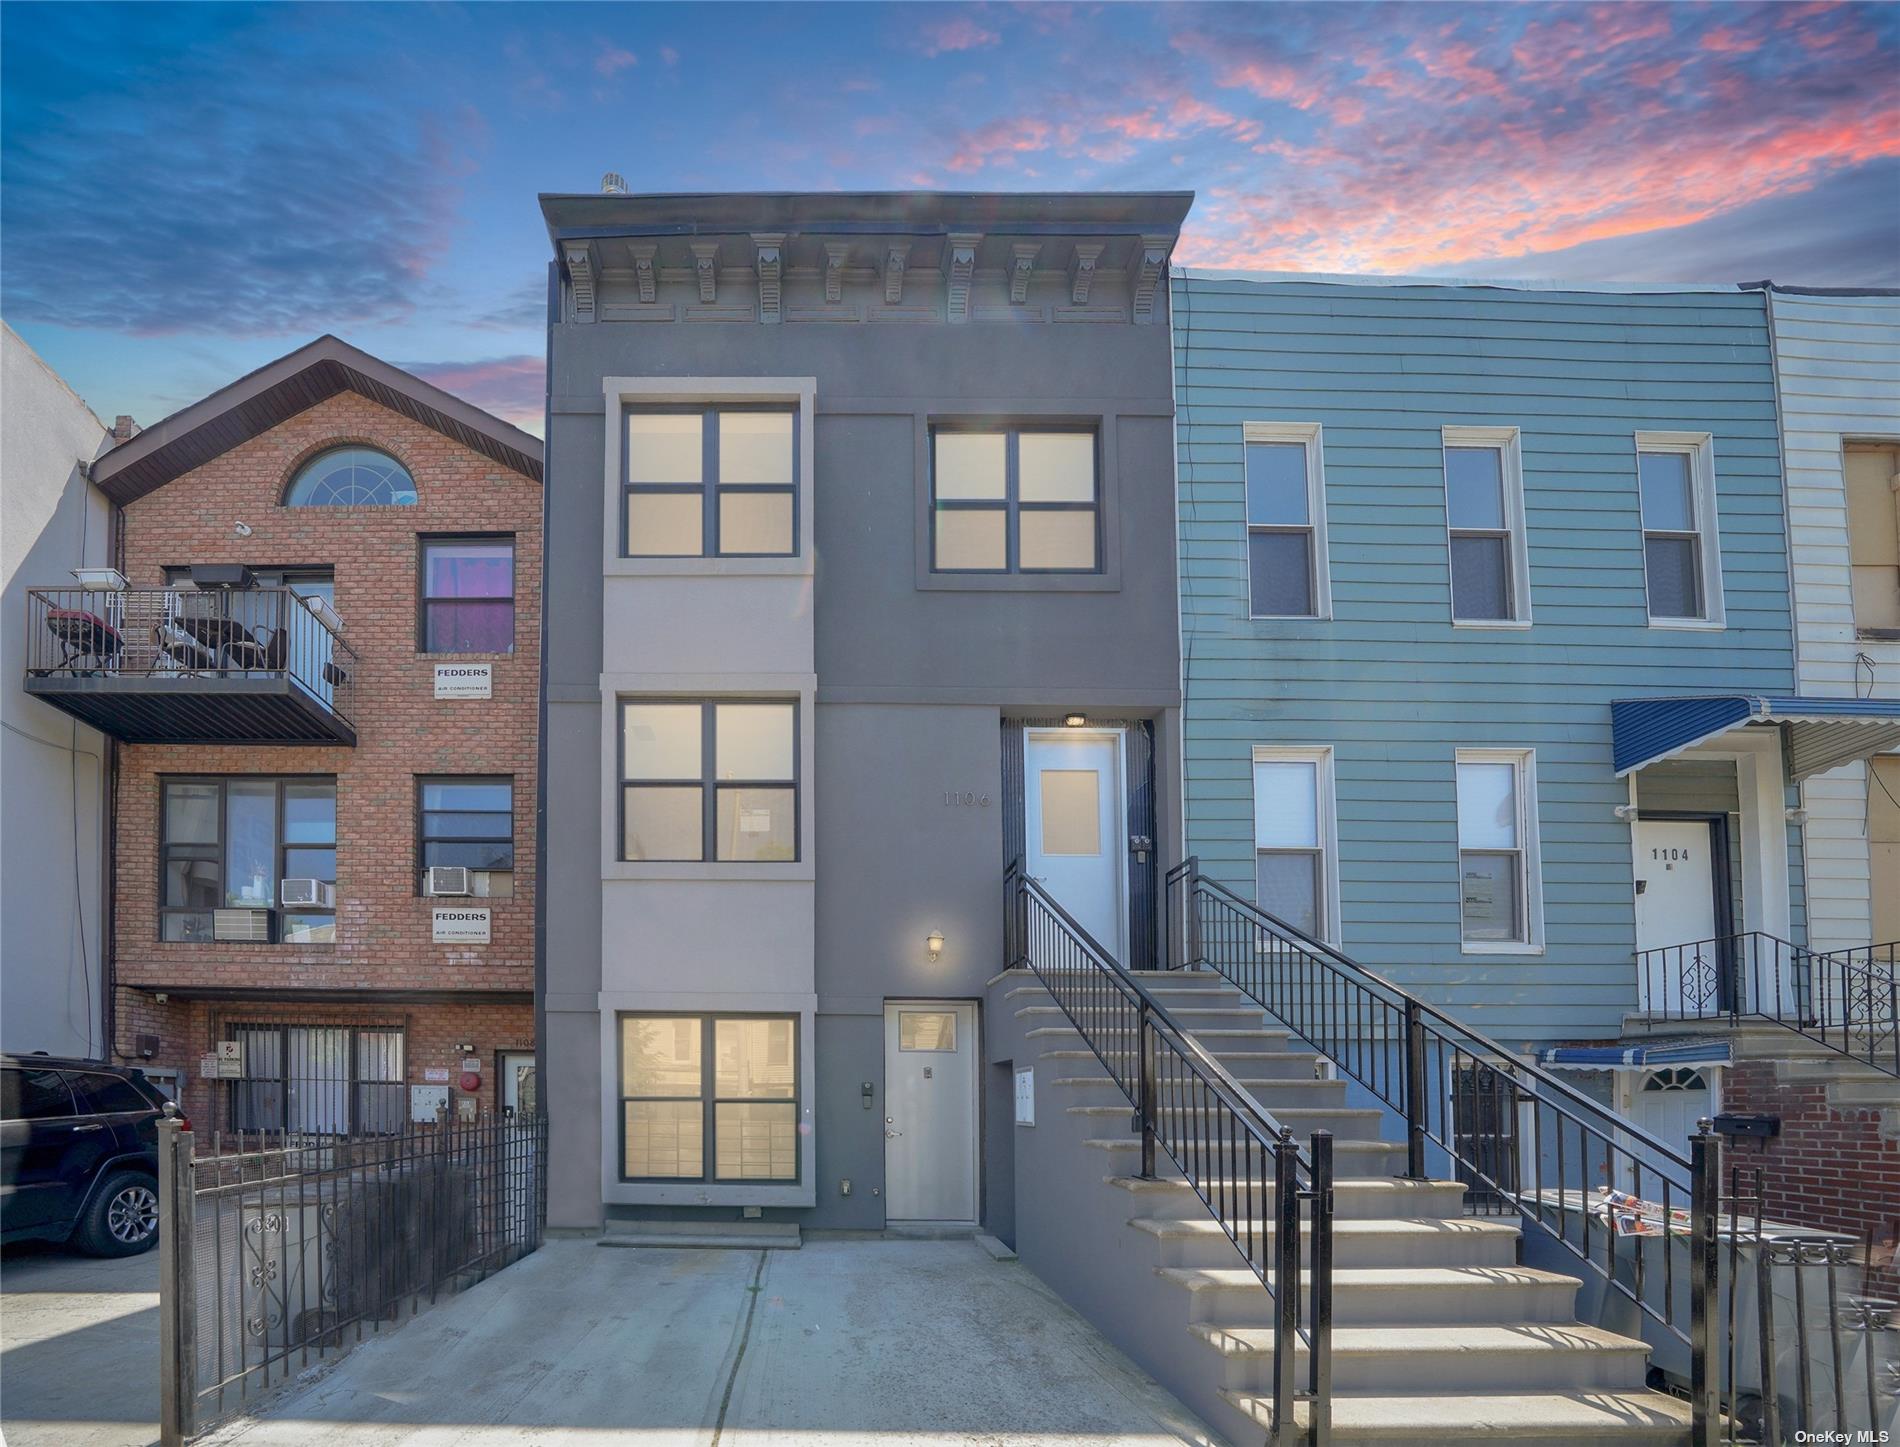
pixel 1082 270
pixel 1145 266
pixel 706 267
pixel 770 250
pixel 644 264
pixel 582 273
pixel 1022 264
pixel 896 258
pixel 836 254
pixel 959 269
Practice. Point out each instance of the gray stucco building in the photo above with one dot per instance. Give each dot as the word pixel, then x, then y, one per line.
pixel 860 514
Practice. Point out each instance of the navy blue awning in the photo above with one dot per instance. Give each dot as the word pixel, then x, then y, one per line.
pixel 1818 734
pixel 1622 1055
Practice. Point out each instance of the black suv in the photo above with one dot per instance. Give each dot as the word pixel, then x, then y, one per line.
pixel 78 1154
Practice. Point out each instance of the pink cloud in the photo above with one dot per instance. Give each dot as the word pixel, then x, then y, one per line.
pixel 947 37
pixel 999 142
pixel 669 55
pixel 513 388
pixel 614 59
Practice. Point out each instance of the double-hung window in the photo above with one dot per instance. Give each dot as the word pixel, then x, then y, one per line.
pixel 710 482
pixel 1286 521
pixel 468 595
pixel 1484 513
pixel 1681 559
pixel 1499 889
pixel 228 845
pixel 709 1098
pixel 1014 500
pixel 709 780
pixel 470 823
pixel 1873 538
pixel 1295 865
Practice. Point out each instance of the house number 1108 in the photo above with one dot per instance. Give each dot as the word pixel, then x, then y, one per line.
pixel 965 799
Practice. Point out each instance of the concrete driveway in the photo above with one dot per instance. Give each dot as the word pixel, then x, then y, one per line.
pixel 919 1341
pixel 78 1349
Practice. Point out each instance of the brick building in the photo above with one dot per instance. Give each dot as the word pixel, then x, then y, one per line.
pixel 319 663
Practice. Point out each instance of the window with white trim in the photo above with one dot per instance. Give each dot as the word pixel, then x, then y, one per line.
pixel 1500 890
pixel 1286 520
pixel 1682 565
pixel 1296 859
pixel 1484 518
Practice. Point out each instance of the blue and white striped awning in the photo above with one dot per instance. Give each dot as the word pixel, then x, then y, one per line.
pixel 1622 1055
pixel 1818 734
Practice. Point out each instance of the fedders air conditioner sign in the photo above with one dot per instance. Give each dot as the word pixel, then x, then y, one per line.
pixel 459 925
pixel 464 680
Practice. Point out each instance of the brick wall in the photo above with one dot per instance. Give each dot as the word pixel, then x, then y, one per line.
pixel 1834 1167
pixel 383 923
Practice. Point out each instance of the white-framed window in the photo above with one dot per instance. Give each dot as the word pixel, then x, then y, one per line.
pixel 1484 523
pixel 1288 575
pixel 1682 555
pixel 1295 836
pixel 1500 870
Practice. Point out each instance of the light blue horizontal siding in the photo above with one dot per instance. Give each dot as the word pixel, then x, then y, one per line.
pixel 1388 682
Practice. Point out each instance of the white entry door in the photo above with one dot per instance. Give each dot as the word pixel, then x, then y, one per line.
pixel 1075 827
pixel 930 1111
pixel 517 1082
pixel 1675 906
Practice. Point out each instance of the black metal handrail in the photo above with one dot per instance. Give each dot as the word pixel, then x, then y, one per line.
pixel 1846 1000
pixel 153 633
pixel 1246 1167
pixel 1524 1142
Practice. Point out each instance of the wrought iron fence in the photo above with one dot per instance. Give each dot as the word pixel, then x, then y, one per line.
pixel 1847 1000
pixel 279 1250
pixel 188 632
pixel 1245 1167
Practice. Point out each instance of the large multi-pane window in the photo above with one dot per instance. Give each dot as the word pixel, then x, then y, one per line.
pixel 319 1079
pixel 1014 500
pixel 1286 521
pixel 709 780
pixel 1497 875
pixel 710 482
pixel 226 846
pixel 1484 506
pixel 1293 827
pixel 468 823
pixel 468 595
pixel 709 1098
pixel 1681 564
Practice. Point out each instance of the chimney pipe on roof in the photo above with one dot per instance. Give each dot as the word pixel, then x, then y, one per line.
pixel 124 429
pixel 613 184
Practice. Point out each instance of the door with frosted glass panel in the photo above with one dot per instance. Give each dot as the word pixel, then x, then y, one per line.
pixel 1075 827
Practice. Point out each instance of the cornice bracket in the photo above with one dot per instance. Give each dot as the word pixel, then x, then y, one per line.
pixel 771 267
pixel 644 272
pixel 1022 262
pixel 896 257
pixel 959 267
pixel 1082 271
pixel 582 274
pixel 836 254
pixel 706 267
pixel 1145 268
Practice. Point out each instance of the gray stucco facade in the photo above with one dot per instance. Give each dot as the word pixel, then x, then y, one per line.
pixel 875 322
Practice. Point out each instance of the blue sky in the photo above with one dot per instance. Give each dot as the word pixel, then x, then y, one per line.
pixel 190 190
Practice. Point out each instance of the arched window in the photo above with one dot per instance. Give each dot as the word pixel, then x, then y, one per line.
pixel 352 477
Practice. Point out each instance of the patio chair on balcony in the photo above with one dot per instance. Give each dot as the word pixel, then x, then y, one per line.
pixel 82 635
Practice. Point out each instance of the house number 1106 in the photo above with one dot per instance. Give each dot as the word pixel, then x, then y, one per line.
pixel 965 799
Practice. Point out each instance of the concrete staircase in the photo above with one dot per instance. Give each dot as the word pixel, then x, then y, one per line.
pixel 1439 1335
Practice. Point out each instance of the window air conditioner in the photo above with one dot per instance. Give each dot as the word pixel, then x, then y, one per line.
pixel 308 894
pixel 241 926
pixel 445 880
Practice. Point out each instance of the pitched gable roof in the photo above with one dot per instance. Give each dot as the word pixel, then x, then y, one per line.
pixel 281 389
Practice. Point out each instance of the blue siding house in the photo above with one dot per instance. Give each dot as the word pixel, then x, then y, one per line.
pixel 1429 534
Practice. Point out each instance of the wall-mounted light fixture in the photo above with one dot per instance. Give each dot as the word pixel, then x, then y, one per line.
pixel 1797 816
pixel 1074 720
pixel 242 529
pixel 934 943
pixel 1625 811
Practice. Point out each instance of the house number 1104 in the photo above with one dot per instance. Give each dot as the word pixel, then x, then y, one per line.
pixel 965 799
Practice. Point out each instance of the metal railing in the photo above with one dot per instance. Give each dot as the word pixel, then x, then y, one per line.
pixel 278 1251
pixel 1524 1142
pixel 1846 1000
pixel 187 632
pixel 1246 1168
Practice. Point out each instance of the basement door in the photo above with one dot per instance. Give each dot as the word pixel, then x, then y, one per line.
pixel 1676 915
pixel 930 1111
pixel 1075 827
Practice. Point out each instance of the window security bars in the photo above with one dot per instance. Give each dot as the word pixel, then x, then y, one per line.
pixel 1245 1166
pixel 277 1252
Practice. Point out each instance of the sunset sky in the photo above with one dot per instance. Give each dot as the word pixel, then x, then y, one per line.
pixel 189 191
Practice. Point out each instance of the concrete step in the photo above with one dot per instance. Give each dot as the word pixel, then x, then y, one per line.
pixel 1375 1198
pixel 1439 1241
pixel 705 1235
pixel 1572 1419
pixel 1389 1295
pixel 1291 1092
pixel 1352 1159
pixel 1345 1122
pixel 1546 1357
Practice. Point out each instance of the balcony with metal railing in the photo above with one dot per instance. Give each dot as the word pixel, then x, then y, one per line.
pixel 192 665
